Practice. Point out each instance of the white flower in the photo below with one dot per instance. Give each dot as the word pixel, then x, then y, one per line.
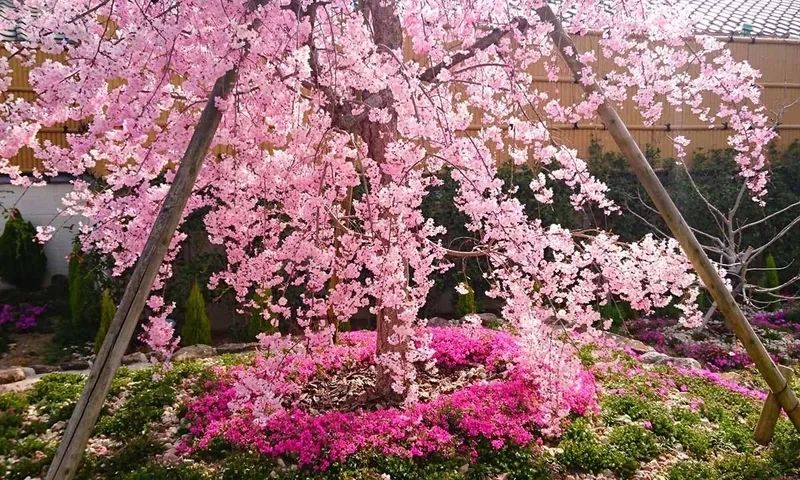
pixel 462 288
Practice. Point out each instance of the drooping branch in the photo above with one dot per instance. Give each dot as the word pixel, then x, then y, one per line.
pixel 482 43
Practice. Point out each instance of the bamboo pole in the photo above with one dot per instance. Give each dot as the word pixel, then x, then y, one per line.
pixel 84 417
pixel 680 229
pixel 770 413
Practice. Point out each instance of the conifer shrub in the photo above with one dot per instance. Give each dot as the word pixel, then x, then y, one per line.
pixel 770 279
pixel 196 327
pixel 466 301
pixel 22 259
pixel 107 311
pixel 84 301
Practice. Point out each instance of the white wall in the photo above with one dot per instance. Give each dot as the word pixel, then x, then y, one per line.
pixel 40 205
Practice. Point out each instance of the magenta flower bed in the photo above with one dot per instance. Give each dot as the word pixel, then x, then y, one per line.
pixel 22 317
pixel 511 409
pixel 716 356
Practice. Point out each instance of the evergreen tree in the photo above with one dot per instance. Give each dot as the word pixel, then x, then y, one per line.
pixel 22 259
pixel 466 301
pixel 84 301
pixel 196 327
pixel 107 311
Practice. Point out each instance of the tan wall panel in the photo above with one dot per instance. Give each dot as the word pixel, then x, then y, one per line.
pixel 779 63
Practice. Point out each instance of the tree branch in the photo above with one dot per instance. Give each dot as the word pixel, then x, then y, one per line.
pixel 481 44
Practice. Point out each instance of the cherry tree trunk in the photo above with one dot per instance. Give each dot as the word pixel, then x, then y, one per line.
pixel 386 33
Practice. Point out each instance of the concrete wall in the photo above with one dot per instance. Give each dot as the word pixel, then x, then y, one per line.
pixel 40 205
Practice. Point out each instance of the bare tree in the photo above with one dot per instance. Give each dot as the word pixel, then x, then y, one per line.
pixel 723 239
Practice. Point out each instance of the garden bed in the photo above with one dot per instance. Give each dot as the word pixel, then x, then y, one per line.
pixel 476 420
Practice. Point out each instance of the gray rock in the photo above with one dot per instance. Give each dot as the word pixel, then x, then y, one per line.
pixel 135 357
pixel 42 369
pixel 29 372
pixel 236 347
pixel 656 358
pixel 490 319
pixel 686 363
pixel 73 365
pixel 631 343
pixel 11 375
pixel 193 352
pixel 439 322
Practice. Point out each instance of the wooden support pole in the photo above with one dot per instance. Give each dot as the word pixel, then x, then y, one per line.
pixel 84 417
pixel 770 413
pixel 680 229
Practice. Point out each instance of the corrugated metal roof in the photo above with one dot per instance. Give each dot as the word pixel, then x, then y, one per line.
pixel 765 18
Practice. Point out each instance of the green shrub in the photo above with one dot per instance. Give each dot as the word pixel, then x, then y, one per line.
pixel 154 471
pixel 84 300
pixel 738 466
pixel 246 466
pixel 12 410
pixel 107 311
pixel 466 302
pixel 786 449
pixel 56 394
pixel 22 260
pixel 129 457
pixel 196 327
pixel 515 461
pixel 635 441
pixel 581 449
pixel 770 279
pixel 634 407
pixel 733 435
pixel 692 470
pixel 696 442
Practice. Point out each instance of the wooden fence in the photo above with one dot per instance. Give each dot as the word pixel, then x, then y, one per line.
pixel 777 59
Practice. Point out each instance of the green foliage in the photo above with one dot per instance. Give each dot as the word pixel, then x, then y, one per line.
pixel 770 280
pixel 246 466
pixel 22 259
pixel 737 466
pixel 56 394
pixel 786 448
pixel 257 323
pixel 583 450
pixel 196 327
pixel 147 399
pixel 692 470
pixel 107 311
pixel 154 471
pixel 12 409
pixel 635 441
pixel 519 463
pixel 618 312
pixel 144 406
pixel 697 442
pixel 634 407
pixel 84 300
pixel 466 302
pixel 27 468
pixel 128 458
